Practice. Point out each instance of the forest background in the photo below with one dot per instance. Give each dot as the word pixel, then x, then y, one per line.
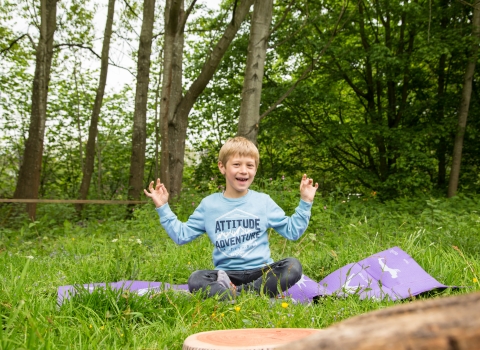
pixel 369 98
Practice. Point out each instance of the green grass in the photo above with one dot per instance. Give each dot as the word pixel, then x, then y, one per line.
pixel 36 258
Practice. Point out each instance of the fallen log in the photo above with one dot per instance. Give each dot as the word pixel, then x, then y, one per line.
pixel 451 323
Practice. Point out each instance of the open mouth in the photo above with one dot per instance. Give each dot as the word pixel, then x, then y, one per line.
pixel 242 179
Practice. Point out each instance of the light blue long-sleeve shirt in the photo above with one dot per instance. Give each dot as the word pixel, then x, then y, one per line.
pixel 237 227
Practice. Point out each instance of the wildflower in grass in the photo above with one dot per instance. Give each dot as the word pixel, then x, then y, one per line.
pixel 189 263
pixel 139 241
pixel 114 240
pixel 213 314
pixel 102 328
pixel 475 280
pixel 73 239
pixel 221 315
pixel 284 305
pixel 237 308
pixel 90 326
pixel 29 257
pixel 193 204
pixel 283 177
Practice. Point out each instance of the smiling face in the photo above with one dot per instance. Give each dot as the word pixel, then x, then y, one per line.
pixel 239 172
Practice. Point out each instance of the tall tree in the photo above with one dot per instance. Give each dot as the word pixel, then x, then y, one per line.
pixel 137 161
pixel 252 84
pixel 28 182
pixel 93 129
pixel 465 103
pixel 175 108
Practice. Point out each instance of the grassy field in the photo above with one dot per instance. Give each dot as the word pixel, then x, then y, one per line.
pixel 38 257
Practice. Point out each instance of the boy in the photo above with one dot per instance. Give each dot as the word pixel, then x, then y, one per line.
pixel 236 222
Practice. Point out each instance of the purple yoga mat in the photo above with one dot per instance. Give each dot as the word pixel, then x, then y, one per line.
pixel 391 273
pixel 139 287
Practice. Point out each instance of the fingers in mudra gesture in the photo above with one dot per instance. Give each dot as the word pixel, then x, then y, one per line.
pixel 159 193
pixel 307 189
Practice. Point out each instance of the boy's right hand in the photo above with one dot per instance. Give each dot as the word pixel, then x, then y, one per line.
pixel 159 194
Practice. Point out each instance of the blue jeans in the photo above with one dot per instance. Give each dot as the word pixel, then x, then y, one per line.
pixel 271 279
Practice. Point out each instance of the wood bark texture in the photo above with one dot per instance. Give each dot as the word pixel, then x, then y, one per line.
pixel 171 85
pixel 93 129
pixel 438 324
pixel 248 123
pixel 28 182
pixel 464 105
pixel 139 134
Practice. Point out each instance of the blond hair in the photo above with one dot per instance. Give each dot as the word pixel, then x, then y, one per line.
pixel 241 146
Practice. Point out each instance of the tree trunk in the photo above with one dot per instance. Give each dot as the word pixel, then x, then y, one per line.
pixel 465 104
pixel 174 116
pixel 171 84
pixel 139 135
pixel 93 130
pixel 252 84
pixel 28 181
pixel 442 142
pixel 437 324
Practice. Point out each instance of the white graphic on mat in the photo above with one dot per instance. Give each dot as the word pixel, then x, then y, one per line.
pixel 301 281
pixel 392 272
pixel 237 233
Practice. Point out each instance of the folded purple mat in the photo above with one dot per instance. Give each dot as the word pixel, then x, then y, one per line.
pixel 391 273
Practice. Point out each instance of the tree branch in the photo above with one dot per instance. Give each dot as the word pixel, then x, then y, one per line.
pixel 291 36
pixel 185 15
pixel 287 11
pixel 233 12
pixel 306 71
pixel 77 45
pixel 465 3
pixel 12 44
pixel 131 9
pixel 81 46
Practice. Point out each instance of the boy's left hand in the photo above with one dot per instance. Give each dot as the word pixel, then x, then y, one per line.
pixel 307 190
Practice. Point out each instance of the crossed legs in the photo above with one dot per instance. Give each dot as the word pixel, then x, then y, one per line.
pixel 271 279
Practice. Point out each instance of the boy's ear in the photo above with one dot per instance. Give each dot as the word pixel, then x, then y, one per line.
pixel 221 167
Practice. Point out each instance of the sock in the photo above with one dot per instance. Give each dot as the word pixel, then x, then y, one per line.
pixel 223 279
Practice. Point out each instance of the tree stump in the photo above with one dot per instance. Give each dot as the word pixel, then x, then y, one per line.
pixel 444 323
